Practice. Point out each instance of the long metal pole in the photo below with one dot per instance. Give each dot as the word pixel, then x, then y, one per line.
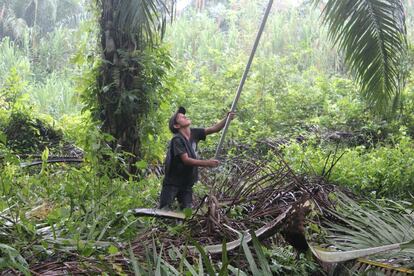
pixel 244 77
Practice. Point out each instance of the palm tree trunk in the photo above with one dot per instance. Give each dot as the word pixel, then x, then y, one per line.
pixel 200 5
pixel 130 31
pixel 115 81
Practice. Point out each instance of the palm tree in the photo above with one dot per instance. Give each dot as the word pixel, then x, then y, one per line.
pixel 130 29
pixel 372 35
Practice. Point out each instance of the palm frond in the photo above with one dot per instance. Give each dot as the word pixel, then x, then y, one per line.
pixel 328 256
pixel 372 35
pixel 366 228
pixel 371 226
pixel 143 20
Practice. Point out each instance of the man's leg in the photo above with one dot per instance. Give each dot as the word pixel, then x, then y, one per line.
pixel 168 194
pixel 185 197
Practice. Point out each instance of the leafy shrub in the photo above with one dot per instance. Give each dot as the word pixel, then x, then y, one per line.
pixel 284 261
pixel 55 96
pixel 382 171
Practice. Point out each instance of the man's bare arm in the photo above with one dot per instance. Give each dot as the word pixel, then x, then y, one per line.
pixel 198 163
pixel 220 125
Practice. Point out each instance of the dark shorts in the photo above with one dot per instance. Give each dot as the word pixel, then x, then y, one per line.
pixel 184 196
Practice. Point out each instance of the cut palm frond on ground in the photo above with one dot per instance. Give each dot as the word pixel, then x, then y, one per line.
pixel 157 213
pixel 342 256
pixel 360 229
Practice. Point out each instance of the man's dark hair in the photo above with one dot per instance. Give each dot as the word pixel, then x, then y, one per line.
pixel 173 119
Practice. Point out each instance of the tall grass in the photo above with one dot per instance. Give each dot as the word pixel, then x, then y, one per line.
pixel 56 96
pixel 13 58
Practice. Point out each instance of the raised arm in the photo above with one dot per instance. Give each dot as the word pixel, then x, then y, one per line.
pixel 198 163
pixel 220 125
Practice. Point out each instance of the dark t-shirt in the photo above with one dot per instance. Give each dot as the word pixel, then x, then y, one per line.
pixel 179 174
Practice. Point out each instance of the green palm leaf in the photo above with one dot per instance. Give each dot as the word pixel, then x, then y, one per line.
pixel 366 228
pixel 372 35
pixel 142 20
pixel 369 226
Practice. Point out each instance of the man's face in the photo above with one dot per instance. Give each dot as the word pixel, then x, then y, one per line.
pixel 182 121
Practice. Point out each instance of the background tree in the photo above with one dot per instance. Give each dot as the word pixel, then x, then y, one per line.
pixel 41 16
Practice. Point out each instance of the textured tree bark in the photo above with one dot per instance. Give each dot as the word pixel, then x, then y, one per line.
pixel 116 79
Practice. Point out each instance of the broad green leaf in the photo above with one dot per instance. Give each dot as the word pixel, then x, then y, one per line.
pixel 206 260
pixel 250 259
pixel 142 164
pixel 112 250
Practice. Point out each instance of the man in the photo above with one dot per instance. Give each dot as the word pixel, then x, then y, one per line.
pixel 181 164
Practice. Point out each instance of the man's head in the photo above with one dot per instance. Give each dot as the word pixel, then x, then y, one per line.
pixel 179 120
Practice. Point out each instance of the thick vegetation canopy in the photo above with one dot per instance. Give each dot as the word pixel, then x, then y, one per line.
pixel 317 167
